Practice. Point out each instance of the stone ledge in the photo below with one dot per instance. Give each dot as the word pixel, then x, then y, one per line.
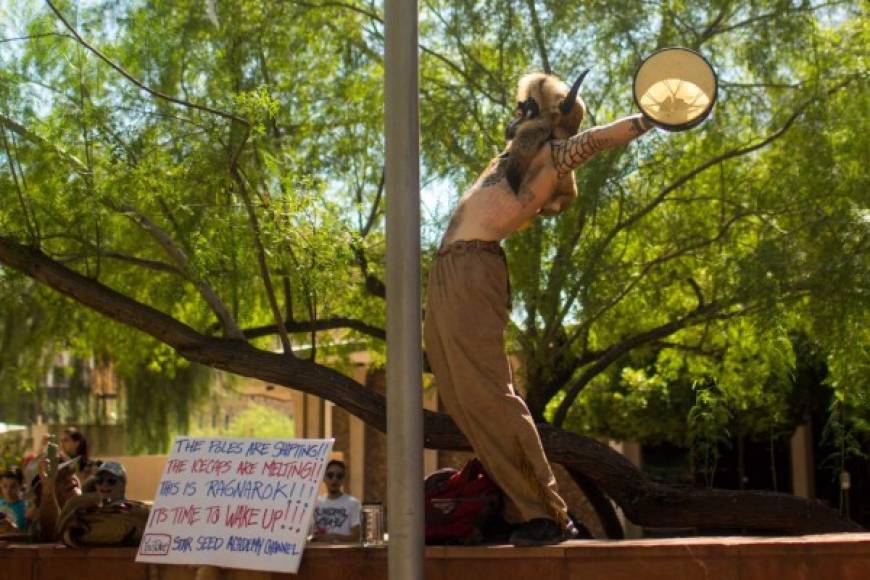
pixel 834 556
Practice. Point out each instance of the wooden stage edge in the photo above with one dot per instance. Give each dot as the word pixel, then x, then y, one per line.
pixel 821 557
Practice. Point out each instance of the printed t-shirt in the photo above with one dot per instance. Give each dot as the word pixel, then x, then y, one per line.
pixel 15 512
pixel 336 516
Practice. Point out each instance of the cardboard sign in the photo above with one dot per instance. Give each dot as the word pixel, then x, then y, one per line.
pixel 235 503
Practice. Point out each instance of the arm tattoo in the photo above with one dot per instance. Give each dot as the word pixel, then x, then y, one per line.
pixel 571 153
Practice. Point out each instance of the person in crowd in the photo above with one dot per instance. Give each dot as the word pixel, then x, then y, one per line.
pixel 337 515
pixel 103 515
pixel 87 471
pixel 50 492
pixel 12 505
pixel 110 481
pixel 75 445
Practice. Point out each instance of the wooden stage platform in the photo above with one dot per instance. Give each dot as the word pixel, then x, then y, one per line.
pixel 823 557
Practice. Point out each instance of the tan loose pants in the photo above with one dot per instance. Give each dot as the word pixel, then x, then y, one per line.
pixel 466 316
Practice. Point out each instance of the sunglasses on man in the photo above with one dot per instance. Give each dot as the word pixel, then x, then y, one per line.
pixel 334 475
pixel 108 480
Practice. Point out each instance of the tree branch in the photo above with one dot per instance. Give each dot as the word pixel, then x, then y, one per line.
pixel 697 349
pixel 468 78
pixel 30 227
pixel 177 255
pixel 335 323
pixel 565 250
pixel 643 501
pixel 345 5
pixel 616 351
pixel 701 314
pixel 539 37
pixel 172 250
pixel 20 129
pixel 136 81
pixel 376 204
pixel 649 503
pixel 584 328
pixel 712 30
pixel 156 265
pixel 374 285
pixel 708 30
pixel 696 288
pixel 261 258
pixel 682 180
pixel 455 34
pixel 647 268
pixel 97 296
pixel 42 35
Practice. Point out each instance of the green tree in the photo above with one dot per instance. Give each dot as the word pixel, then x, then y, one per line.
pixel 211 181
pixel 254 421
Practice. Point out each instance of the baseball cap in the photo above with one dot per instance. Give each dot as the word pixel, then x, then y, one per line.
pixel 113 467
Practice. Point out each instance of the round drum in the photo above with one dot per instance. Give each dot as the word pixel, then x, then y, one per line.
pixel 676 88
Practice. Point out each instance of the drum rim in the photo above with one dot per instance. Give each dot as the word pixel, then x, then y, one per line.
pixel 689 124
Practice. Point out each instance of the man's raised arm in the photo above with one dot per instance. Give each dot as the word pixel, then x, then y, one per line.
pixel 569 154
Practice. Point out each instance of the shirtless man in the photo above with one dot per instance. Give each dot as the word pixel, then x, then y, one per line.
pixel 467 313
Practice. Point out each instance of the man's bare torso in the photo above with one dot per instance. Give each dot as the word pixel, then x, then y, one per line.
pixel 491 210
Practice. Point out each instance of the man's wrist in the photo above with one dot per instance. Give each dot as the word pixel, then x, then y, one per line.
pixel 646 122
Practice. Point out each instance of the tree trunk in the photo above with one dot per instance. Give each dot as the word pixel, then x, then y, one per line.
pixel 642 500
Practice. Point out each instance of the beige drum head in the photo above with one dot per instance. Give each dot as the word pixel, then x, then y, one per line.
pixel 676 88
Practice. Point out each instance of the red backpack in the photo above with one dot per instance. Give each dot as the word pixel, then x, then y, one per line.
pixel 460 505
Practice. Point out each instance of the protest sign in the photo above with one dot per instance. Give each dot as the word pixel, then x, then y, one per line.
pixel 235 503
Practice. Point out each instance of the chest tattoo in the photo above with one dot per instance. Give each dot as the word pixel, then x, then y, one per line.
pixel 526 195
pixel 497 175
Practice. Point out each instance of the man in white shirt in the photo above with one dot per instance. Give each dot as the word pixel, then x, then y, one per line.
pixel 336 516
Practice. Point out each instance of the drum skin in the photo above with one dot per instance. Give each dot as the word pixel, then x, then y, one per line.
pixel 676 88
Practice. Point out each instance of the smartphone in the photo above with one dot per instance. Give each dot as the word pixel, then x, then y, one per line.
pixel 51 452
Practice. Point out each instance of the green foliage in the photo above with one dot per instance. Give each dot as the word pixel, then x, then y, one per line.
pixel 13 448
pixel 160 398
pixel 708 431
pixel 254 421
pixel 732 263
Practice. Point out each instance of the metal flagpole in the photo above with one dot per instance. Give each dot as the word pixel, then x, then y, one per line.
pixel 404 353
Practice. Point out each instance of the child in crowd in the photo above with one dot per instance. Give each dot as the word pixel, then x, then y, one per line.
pixel 12 506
